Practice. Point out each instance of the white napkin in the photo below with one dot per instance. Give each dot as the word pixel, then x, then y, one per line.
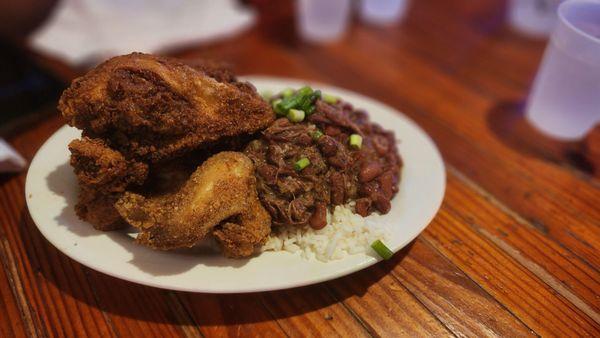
pixel 10 160
pixel 82 31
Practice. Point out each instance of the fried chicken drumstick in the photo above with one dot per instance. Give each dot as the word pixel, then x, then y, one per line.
pixel 223 188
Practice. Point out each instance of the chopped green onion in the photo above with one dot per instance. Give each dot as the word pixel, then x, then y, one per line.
pixel 316 134
pixel 266 94
pixel 382 250
pixel 275 104
pixel 330 98
pixel 301 164
pixel 295 100
pixel 296 115
pixel 356 141
pixel 287 92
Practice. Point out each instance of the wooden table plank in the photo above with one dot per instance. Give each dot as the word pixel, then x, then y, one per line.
pixel 462 305
pixel 40 269
pixel 519 239
pixel 13 324
pixel 136 310
pixel 233 315
pixel 533 301
pixel 385 306
pixel 312 311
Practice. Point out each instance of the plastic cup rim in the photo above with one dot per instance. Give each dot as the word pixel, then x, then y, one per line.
pixel 570 25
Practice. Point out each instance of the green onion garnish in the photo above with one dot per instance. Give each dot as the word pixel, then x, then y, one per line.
pixel 275 104
pixel 296 115
pixel 330 98
pixel 356 141
pixel 316 134
pixel 287 92
pixel 302 99
pixel 382 250
pixel 301 164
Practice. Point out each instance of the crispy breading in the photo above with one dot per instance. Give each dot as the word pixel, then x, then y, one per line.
pixel 103 175
pixel 223 188
pixel 153 108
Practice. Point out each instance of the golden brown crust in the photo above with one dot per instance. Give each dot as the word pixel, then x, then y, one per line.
pixel 103 175
pixel 222 188
pixel 153 108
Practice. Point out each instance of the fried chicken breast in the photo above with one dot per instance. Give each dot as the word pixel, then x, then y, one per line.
pixel 222 189
pixel 153 108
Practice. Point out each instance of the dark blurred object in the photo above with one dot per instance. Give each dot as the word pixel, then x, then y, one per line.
pixel 20 17
pixel 591 149
pixel 24 89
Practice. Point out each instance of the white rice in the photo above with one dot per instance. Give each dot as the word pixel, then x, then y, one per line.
pixel 346 234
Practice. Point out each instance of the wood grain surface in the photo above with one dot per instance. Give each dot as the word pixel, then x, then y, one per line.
pixel 513 252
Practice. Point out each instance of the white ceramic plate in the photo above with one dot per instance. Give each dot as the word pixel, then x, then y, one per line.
pixel 51 192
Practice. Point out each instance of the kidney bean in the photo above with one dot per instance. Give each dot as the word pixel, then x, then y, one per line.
pixel 337 188
pixel 318 220
pixel 367 189
pixel 369 171
pixel 380 143
pixel 363 206
pixel 386 184
pixel 382 204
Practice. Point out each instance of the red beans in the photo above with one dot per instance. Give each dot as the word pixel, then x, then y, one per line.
pixel 369 171
pixel 318 220
pixel 362 206
pixel 367 189
pixel 382 204
pixel 380 143
pixel 386 184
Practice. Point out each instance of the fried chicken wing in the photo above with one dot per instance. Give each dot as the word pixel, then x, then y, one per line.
pixel 154 108
pixel 223 188
pixel 103 175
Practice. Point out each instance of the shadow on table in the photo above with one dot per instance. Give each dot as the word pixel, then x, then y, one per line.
pixel 121 298
pixel 507 121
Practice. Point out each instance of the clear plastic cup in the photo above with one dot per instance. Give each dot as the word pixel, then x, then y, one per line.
pixel 533 17
pixel 565 97
pixel 383 12
pixel 323 20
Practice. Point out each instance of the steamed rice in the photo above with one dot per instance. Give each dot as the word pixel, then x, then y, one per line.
pixel 346 234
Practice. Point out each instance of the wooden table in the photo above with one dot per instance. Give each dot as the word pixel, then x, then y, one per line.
pixel 512 252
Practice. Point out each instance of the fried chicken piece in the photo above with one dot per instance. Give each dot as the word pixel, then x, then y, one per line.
pixel 153 108
pixel 219 71
pixel 103 175
pixel 222 188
